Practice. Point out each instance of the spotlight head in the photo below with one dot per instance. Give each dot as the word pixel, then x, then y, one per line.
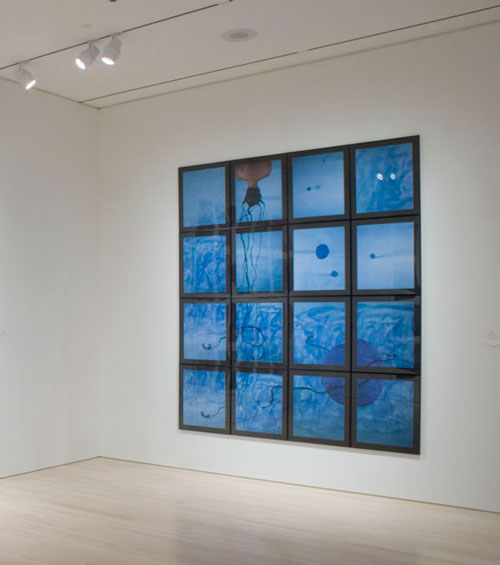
pixel 25 78
pixel 111 51
pixel 87 56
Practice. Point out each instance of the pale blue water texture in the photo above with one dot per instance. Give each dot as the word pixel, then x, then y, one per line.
pixel 204 197
pixel 259 332
pixel 316 413
pixel 319 333
pixel 204 259
pixel 204 398
pixel 205 331
pixel 387 419
pixel 259 403
pixel 259 261
pixel 318 185
pixel 390 328
pixel 385 256
pixel 319 258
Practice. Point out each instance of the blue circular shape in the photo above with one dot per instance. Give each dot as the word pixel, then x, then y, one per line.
pixel 334 274
pixel 308 189
pixel 322 251
pixel 372 255
pixel 368 391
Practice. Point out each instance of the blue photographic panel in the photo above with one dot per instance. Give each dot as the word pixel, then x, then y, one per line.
pixel 386 256
pixel 319 259
pixel 204 197
pixel 386 334
pixel 384 178
pixel 384 412
pixel 259 403
pixel 259 332
pixel 318 185
pixel 204 260
pixel 319 333
pixel 204 398
pixel 259 261
pixel 258 191
pixel 318 407
pixel 204 331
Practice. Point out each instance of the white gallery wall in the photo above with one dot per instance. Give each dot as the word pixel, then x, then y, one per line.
pixel 447 90
pixel 48 284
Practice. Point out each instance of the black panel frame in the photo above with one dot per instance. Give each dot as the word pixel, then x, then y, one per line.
pixel 415 379
pixel 416 253
pixel 284 262
pixel 208 362
pixel 320 367
pixel 416 339
pixel 284 183
pixel 182 170
pixel 415 141
pixel 347 407
pixel 251 364
pixel 347 204
pixel 227 418
pixel 284 421
pixel 347 254
pixel 204 233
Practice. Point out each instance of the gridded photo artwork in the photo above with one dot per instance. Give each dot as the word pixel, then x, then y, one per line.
pixel 300 296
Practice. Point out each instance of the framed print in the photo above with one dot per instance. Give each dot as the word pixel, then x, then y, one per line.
pixel 386 331
pixel 386 412
pixel 386 177
pixel 319 258
pixel 205 263
pixel 204 398
pixel 259 261
pixel 300 282
pixel 319 188
pixel 259 190
pixel 204 332
pixel 259 404
pixel 386 256
pixel 204 196
pixel 320 333
pixel 260 329
pixel 319 407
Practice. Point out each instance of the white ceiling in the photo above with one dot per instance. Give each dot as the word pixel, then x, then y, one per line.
pixel 188 51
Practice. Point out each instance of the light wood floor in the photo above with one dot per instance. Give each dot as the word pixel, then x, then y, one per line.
pixel 114 512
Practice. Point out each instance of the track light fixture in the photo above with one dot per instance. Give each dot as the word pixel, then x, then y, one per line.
pixel 25 78
pixel 87 56
pixel 112 51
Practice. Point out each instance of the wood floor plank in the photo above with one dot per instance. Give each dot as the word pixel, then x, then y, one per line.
pixel 109 512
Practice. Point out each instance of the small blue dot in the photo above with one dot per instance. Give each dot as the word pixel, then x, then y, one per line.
pixel 372 255
pixel 308 189
pixel 322 251
pixel 334 274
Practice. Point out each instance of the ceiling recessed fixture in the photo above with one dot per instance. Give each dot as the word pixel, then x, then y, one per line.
pixel 239 34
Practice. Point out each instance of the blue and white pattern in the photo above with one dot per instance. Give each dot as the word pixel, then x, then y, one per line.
pixel 319 258
pixel 204 331
pixel 318 185
pixel 204 398
pixel 204 259
pixel 259 403
pixel 384 178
